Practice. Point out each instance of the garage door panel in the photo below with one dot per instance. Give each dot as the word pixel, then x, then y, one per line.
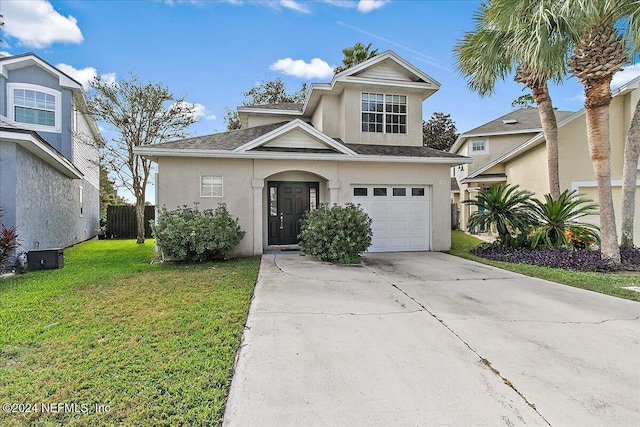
pixel 400 223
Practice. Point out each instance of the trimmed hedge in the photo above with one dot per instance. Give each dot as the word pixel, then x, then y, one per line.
pixel 337 234
pixel 191 235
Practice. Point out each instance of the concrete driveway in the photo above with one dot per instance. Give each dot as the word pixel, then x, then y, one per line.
pixel 424 339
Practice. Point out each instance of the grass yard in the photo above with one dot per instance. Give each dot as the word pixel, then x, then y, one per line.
pixel 605 283
pixel 153 344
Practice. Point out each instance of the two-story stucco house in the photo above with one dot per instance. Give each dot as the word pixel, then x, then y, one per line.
pixel 512 150
pixel 49 180
pixel 355 139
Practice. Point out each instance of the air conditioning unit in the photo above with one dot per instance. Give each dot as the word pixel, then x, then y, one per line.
pixel 45 259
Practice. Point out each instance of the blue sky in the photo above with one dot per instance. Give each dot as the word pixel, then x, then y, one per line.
pixel 213 51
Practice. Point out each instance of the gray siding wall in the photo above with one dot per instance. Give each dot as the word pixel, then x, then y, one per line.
pixel 37 76
pixel 48 206
pixel 8 183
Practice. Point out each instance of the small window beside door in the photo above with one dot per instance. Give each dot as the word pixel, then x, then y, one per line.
pixel 210 186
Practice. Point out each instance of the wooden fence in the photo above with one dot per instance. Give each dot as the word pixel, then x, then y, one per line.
pixel 121 221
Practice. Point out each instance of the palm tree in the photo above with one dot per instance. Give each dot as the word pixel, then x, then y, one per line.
pixel 603 35
pixel 505 207
pixel 558 219
pixel 488 54
pixel 629 173
pixel 354 55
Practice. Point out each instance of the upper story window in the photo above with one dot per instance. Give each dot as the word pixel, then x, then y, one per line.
pixel 384 113
pixel 35 106
pixel 479 146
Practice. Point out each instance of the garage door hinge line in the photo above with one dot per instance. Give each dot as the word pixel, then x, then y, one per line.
pixel 484 360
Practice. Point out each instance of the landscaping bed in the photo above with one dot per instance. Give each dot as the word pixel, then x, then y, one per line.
pixel 120 341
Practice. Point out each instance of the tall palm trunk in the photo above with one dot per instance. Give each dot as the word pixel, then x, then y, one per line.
pixel 598 97
pixel 550 131
pixel 598 55
pixel 629 174
pixel 540 92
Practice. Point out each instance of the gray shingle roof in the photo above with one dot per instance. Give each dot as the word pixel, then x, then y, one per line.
pixel 222 141
pixel 278 106
pixel 399 151
pixel 236 138
pixel 454 185
pixel 527 118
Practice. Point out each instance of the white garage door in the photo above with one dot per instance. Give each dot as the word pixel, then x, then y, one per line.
pixel 400 216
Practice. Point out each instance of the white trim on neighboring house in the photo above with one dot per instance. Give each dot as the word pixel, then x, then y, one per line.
pixel 26 60
pixel 13 86
pixel 532 142
pixel 576 185
pixel 31 143
pixel 295 124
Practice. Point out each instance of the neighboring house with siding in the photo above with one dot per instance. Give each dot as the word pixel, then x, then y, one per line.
pixel 355 139
pixel 512 150
pixel 49 176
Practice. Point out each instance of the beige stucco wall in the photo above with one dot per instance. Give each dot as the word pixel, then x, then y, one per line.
pixel 245 188
pixel 326 117
pixel 530 172
pixel 498 145
pixel 266 119
pixel 592 193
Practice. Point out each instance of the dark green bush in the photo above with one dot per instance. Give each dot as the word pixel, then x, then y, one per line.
pixel 191 235
pixel 337 234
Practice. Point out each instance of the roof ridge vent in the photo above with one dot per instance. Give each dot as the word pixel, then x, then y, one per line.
pixel 510 121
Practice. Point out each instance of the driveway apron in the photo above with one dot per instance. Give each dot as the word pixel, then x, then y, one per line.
pixel 422 339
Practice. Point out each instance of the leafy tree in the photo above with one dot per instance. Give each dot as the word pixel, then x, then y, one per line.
pixel 354 55
pixel 140 114
pixel 524 101
pixel 601 35
pixel 108 192
pixel 439 132
pixel 489 53
pixel 505 207
pixel 558 221
pixel 267 92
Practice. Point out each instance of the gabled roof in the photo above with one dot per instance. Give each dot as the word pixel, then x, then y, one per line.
pixel 262 142
pixel 9 63
pixel 393 72
pixel 524 120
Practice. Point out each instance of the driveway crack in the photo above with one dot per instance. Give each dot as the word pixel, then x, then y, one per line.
pixel 556 322
pixel 484 360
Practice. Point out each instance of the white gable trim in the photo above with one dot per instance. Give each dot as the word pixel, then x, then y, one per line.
pixel 295 124
pixel 20 61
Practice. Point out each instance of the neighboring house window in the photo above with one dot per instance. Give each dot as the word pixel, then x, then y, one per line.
pixel 35 106
pixel 479 146
pixel 384 113
pixel 210 186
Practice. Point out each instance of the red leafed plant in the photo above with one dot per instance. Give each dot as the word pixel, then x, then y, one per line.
pixel 8 242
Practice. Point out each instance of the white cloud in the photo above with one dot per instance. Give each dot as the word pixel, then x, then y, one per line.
pixel 36 24
pixel 621 77
pixel 294 5
pixel 346 4
pixel 200 111
pixel 85 75
pixel 366 6
pixel 317 68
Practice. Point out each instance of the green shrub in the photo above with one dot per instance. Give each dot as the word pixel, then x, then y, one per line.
pixel 8 243
pixel 191 235
pixel 338 233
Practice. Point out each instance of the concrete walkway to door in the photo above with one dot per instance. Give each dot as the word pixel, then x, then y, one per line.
pixel 424 339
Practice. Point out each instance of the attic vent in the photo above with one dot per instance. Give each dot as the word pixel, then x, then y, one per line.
pixel 510 121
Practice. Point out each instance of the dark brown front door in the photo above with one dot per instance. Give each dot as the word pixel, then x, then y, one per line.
pixel 287 202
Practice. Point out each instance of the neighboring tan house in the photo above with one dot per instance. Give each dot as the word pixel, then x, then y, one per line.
pixel 512 150
pixel 356 139
pixel 49 180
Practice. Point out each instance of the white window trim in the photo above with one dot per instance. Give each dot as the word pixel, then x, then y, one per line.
pixel 486 146
pixel 11 87
pixel 384 113
pixel 221 184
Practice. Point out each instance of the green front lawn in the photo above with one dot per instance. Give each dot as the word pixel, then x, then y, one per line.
pixel 605 283
pixel 153 344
